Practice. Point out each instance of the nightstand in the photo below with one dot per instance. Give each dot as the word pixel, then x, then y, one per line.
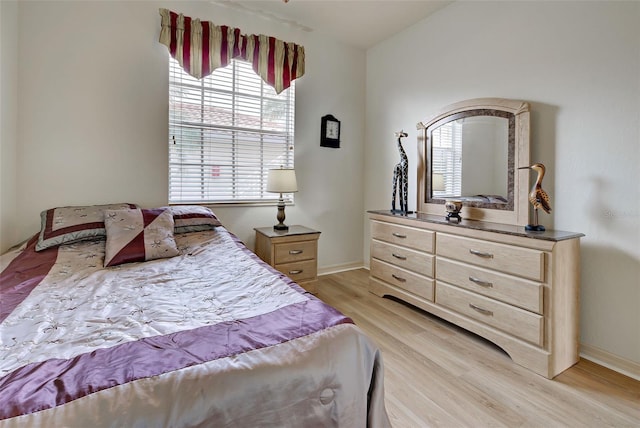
pixel 293 252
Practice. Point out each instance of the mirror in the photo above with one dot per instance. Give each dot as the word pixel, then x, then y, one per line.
pixel 469 157
pixel 470 151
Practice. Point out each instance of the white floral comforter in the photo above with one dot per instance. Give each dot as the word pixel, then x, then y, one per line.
pixel 212 337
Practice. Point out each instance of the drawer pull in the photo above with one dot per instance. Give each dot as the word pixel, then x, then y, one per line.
pixel 481 310
pixel 295 251
pixel 295 272
pixel 398 278
pixel 399 235
pixel 481 254
pixel 480 282
pixel 398 257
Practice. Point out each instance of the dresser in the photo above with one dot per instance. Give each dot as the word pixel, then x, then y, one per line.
pixel 515 288
pixel 293 252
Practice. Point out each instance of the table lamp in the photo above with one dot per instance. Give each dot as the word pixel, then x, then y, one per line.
pixel 282 180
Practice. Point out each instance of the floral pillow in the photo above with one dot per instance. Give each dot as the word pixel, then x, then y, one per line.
pixel 193 218
pixel 138 235
pixel 65 225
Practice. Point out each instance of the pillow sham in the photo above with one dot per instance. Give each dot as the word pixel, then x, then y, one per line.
pixel 65 225
pixel 138 235
pixel 193 218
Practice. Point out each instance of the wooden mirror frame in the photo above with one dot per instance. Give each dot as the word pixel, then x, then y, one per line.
pixel 517 209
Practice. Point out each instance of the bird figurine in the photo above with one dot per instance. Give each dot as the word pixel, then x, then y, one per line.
pixel 538 197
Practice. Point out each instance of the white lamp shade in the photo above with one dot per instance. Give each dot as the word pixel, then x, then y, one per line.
pixel 282 181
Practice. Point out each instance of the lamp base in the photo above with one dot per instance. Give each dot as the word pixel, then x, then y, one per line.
pixel 280 217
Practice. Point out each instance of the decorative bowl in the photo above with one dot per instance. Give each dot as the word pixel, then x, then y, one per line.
pixel 453 206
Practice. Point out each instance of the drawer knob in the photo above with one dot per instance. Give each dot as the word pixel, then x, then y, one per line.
pixel 296 251
pixel 398 256
pixel 398 278
pixel 481 310
pixel 399 235
pixel 481 254
pixel 295 272
pixel 480 282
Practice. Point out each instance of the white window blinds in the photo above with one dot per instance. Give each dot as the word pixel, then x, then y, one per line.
pixel 447 160
pixel 225 132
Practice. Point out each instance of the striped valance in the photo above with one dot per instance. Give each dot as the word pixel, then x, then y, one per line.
pixel 201 46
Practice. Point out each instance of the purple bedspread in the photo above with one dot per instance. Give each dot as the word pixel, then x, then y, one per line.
pixel 75 336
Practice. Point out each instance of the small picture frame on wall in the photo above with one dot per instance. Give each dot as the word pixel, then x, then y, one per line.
pixel 330 132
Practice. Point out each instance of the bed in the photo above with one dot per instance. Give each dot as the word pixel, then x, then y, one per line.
pixel 204 335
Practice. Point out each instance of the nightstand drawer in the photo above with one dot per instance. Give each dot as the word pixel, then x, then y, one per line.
pixel 295 251
pixel 518 322
pixel 411 282
pixel 299 271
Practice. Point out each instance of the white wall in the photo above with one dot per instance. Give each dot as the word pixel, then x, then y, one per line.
pixel 93 107
pixel 578 63
pixel 8 122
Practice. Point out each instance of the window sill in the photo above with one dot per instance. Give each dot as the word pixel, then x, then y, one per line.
pixel 236 204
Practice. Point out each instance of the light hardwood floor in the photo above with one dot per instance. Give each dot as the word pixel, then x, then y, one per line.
pixel 439 375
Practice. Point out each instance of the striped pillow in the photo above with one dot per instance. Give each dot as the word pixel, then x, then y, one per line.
pixel 193 218
pixel 66 225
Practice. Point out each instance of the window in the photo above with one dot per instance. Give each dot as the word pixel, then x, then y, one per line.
pixel 225 132
pixel 447 163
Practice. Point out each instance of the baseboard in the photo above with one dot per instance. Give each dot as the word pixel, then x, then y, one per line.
pixel 611 361
pixel 326 270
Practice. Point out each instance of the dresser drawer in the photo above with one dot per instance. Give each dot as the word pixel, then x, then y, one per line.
pixel 401 278
pixel 518 322
pixel 411 237
pixel 519 261
pixel 299 271
pixel 510 289
pixel 403 257
pixel 294 251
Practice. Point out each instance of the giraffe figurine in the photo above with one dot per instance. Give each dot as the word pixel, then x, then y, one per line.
pixel 401 178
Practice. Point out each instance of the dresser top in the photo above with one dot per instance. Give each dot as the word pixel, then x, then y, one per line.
pixel 506 229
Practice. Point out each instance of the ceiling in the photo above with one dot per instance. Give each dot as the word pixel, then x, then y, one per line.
pixel 358 23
